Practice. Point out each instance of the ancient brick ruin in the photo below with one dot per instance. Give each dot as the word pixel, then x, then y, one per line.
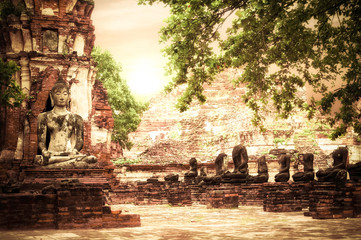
pixel 47 40
pixel 166 136
pixel 167 139
pixel 53 38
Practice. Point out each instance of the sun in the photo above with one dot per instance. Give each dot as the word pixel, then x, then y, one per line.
pixel 146 77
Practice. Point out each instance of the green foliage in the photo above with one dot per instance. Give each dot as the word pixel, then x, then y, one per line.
pixel 7 7
pixel 176 132
pixel 308 134
pixel 11 94
pixel 273 156
pixel 304 42
pixel 126 110
pixel 278 141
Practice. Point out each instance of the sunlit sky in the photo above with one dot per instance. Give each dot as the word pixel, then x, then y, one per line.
pixel 130 32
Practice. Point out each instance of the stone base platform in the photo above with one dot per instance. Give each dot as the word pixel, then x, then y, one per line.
pixel 250 194
pixel 182 194
pixel 281 197
pixel 329 201
pixel 316 199
pixel 68 206
pixel 38 178
pixel 61 199
pixel 222 197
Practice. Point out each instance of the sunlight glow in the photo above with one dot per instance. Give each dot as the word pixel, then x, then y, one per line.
pixel 145 77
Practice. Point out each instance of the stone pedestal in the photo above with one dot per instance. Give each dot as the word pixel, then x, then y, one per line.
pixel 27 211
pixel 301 192
pixel 189 180
pixel 250 194
pixel 199 194
pixel 125 193
pixel 178 194
pixel 62 199
pixel 329 201
pixel 222 197
pixel 280 197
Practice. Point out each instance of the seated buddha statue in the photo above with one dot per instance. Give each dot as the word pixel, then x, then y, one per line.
pixel 220 164
pixel 66 131
pixel 240 161
pixel 220 170
pixel 193 169
pixel 262 175
pixel 308 173
pixel 284 173
pixel 338 172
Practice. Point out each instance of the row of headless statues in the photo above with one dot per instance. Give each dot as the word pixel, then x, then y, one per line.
pixel 336 173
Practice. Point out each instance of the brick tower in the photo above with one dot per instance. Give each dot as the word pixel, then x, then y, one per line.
pixel 47 39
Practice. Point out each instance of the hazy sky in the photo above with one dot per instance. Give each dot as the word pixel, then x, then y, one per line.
pixel 130 32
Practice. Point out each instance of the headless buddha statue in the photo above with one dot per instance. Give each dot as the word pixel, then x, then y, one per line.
pixel 308 174
pixel 220 170
pixel 262 172
pixel 240 161
pixel 190 177
pixel 219 162
pixel 284 172
pixel 193 169
pixel 66 134
pixel 337 172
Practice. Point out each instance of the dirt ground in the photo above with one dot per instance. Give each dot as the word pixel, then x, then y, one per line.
pixel 198 222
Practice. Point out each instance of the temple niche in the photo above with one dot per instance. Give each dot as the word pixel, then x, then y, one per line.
pixel 50 39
